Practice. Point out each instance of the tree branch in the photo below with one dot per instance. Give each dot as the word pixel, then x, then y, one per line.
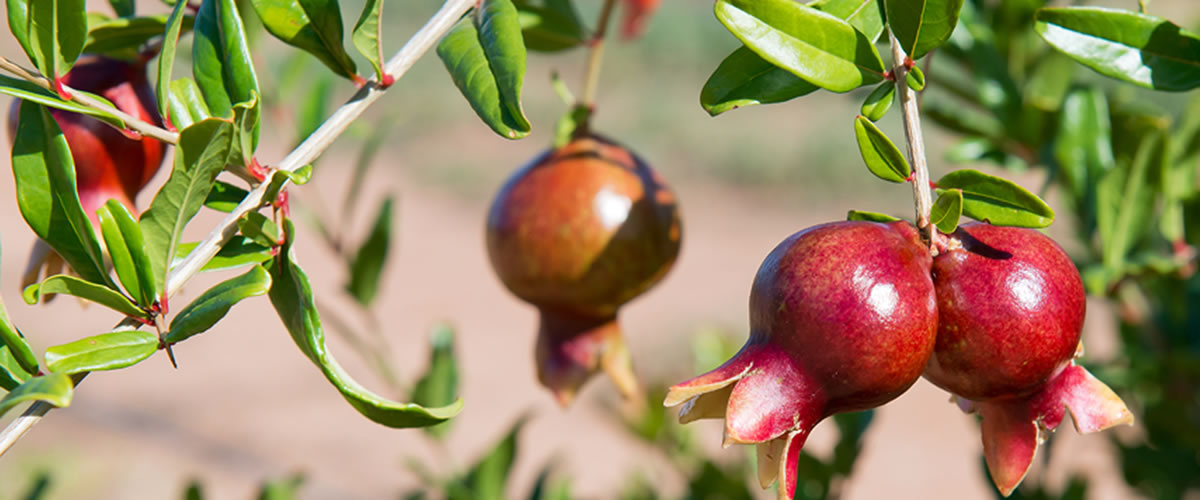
pixel 922 197
pixel 305 153
pixel 596 55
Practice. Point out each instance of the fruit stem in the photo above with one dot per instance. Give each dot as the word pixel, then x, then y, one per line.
pixel 922 197
pixel 145 128
pixel 596 55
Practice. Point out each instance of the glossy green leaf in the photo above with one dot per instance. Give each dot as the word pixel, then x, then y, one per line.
pixel 18 23
pixel 224 197
pixel 118 253
pixel 185 103
pixel 22 89
pixel 107 351
pixel 132 235
pixel 947 209
pixel 1125 201
pixel 53 388
pixel 47 196
pixel 123 8
pixel 123 37
pixel 11 372
pixel 879 102
pixel 70 285
pixel 240 251
pixel 166 63
pixel 367 35
pixel 922 25
pixel 1136 48
pixel 258 228
pixel 16 346
pixel 998 201
pixel 246 116
pixel 485 56
pixel 203 150
pixel 817 47
pixel 212 305
pixel 882 157
pixel 57 32
pixel 915 78
pixel 745 79
pixel 865 15
pixel 550 27
pixel 870 216
pixel 1083 144
pixel 438 386
pixel 314 26
pixel 366 268
pixel 292 297
pixel 221 63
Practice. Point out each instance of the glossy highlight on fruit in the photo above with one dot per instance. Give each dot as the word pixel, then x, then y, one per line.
pixel 578 232
pixel 842 318
pixel 1011 306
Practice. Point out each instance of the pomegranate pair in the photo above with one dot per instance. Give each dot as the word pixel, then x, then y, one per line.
pixel 846 316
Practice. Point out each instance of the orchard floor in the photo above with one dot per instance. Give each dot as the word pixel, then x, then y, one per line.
pixel 245 405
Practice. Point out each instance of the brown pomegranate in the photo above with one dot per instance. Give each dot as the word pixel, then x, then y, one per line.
pixel 1011 308
pixel 842 318
pixel 579 232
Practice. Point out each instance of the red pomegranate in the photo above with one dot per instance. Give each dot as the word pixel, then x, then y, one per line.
pixel 842 318
pixel 579 232
pixel 1011 308
pixel 108 164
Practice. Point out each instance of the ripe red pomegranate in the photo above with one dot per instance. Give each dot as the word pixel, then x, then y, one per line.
pixel 578 232
pixel 108 164
pixel 842 318
pixel 1011 307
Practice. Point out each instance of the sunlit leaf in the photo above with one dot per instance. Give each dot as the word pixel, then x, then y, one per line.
pixel 922 25
pixel 551 26
pixel 882 156
pixel 221 63
pixel 314 26
pixel 366 268
pixel 107 351
pixel 57 33
pixel 70 285
pixel 212 305
pixel 870 216
pixel 16 348
pixel 879 101
pixel 55 389
pixel 438 386
pixel 240 251
pixel 485 56
pixel 865 15
pixel 166 62
pixel 947 209
pixel 745 79
pixel 998 201
pixel 367 35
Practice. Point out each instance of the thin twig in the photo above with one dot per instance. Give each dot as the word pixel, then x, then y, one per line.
pixel 141 126
pixel 310 149
pixel 922 198
pixel 596 55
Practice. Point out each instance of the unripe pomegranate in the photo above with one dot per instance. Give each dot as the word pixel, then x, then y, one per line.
pixel 108 164
pixel 579 232
pixel 842 318
pixel 1011 308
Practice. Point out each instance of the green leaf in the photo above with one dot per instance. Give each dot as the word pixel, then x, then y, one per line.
pixel 870 216
pixel 18 24
pixel 1125 201
pixel 132 234
pixel 292 297
pixel 53 388
pixel 366 267
pixel 745 79
pixel 947 210
pixel 224 197
pixel 70 285
pixel 488 478
pixel 485 56
pixel 1083 145
pixel 998 201
pixel 214 303
pixel 282 489
pixel 123 8
pixel 922 25
pixel 258 228
pixel 17 348
pixel 1137 48
pixel 118 253
pixel 438 386
pixel 367 35
pixel 879 102
pixel 107 351
pixel 1050 82
pixel 47 195
pixel 22 89
pixel 57 32
pixel 915 78
pixel 203 150
pixel 551 27
pixel 221 61
pixel 11 372
pixel 817 47
pixel 166 62
pixel 865 15
pixel 238 252
pixel 879 153
pixel 185 103
pixel 123 37
pixel 314 26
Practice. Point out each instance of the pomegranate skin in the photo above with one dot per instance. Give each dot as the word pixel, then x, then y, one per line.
pixel 842 318
pixel 108 164
pixel 578 232
pixel 1011 306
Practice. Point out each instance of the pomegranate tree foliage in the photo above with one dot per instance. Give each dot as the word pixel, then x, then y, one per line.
pixel 1006 81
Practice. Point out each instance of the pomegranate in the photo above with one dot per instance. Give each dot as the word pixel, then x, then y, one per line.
pixel 1011 307
pixel 578 232
pixel 842 318
pixel 108 164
